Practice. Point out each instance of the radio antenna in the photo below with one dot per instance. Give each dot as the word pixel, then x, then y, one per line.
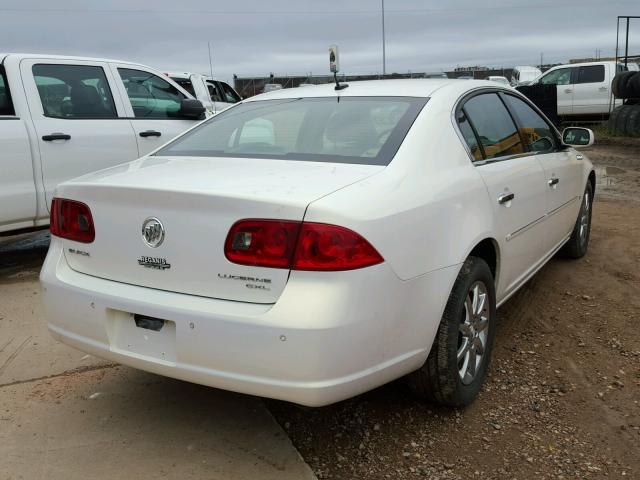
pixel 215 88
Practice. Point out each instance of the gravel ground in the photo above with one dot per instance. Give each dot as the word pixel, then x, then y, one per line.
pixel 562 400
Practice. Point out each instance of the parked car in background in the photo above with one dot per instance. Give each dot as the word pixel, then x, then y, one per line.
pixel 215 95
pixel 270 87
pixel 62 117
pixel 524 74
pixel 583 88
pixel 499 79
pixel 353 238
pixel 435 75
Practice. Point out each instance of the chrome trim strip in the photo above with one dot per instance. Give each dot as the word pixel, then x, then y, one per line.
pixel 542 218
pixel 525 228
pixel 566 204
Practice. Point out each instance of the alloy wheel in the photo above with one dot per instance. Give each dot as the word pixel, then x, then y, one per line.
pixel 473 332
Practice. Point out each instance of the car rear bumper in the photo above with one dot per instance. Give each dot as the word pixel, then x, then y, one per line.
pixel 328 337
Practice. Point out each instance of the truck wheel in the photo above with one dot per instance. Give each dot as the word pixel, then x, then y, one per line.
pixel 577 245
pixel 460 354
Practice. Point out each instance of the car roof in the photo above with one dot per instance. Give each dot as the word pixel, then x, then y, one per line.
pixel 583 64
pixel 187 75
pixel 21 56
pixel 417 87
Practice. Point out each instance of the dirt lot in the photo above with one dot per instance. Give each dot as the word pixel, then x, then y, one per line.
pixel 563 397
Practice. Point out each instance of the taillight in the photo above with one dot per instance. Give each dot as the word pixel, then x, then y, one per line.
pixel 298 246
pixel 265 243
pixel 72 220
pixel 329 247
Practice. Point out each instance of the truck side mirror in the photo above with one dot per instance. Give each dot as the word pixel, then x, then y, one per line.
pixel 192 109
pixel 578 137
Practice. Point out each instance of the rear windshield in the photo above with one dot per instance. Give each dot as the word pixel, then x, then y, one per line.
pixel 186 84
pixel 362 130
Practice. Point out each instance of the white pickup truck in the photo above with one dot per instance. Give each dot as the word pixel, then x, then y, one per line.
pixel 61 117
pixel 583 88
pixel 215 95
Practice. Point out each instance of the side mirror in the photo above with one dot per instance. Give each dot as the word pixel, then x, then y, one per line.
pixel 192 109
pixel 578 137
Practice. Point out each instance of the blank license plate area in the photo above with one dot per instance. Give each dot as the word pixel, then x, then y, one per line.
pixel 139 335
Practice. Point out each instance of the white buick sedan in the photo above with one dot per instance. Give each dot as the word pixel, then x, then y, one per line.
pixel 311 244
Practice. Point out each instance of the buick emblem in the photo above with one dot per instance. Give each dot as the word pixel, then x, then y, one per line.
pixel 152 232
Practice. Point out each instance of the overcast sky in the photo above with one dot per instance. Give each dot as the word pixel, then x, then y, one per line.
pixel 255 37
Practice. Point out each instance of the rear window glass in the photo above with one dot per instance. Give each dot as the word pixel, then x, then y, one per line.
pixel 591 74
pixel 364 130
pixel 6 107
pixel 186 84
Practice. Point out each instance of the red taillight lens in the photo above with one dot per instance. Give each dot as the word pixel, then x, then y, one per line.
pixel 330 248
pixel 264 243
pixel 72 220
pixel 298 246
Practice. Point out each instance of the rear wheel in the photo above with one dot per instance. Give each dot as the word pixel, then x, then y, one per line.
pixel 578 243
pixel 459 357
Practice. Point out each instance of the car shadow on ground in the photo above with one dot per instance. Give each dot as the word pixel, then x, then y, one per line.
pixel 23 254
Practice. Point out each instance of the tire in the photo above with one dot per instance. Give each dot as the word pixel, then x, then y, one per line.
pixel 622 88
pixel 621 121
pixel 440 379
pixel 613 118
pixel 615 85
pixel 633 120
pixel 578 243
pixel 633 85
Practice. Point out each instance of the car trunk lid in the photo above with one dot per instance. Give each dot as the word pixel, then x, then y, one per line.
pixel 197 201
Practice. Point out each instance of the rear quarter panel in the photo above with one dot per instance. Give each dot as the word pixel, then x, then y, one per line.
pixel 427 209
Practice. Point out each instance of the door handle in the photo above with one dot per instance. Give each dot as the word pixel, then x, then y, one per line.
pixel 56 136
pixel 505 197
pixel 603 89
pixel 150 133
pixel 553 182
pixel 567 90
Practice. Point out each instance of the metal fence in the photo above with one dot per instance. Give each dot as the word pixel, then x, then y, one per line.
pixel 249 86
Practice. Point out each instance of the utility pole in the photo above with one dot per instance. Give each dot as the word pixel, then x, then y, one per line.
pixel 541 55
pixel 384 53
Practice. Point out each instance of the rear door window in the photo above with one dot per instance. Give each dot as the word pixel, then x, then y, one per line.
pixel 537 134
pixel 469 137
pixel 74 91
pixel 150 95
pixel 214 91
pixel 493 125
pixel 230 96
pixel 6 106
pixel 591 74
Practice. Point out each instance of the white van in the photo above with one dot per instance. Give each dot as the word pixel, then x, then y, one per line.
pixel 524 74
